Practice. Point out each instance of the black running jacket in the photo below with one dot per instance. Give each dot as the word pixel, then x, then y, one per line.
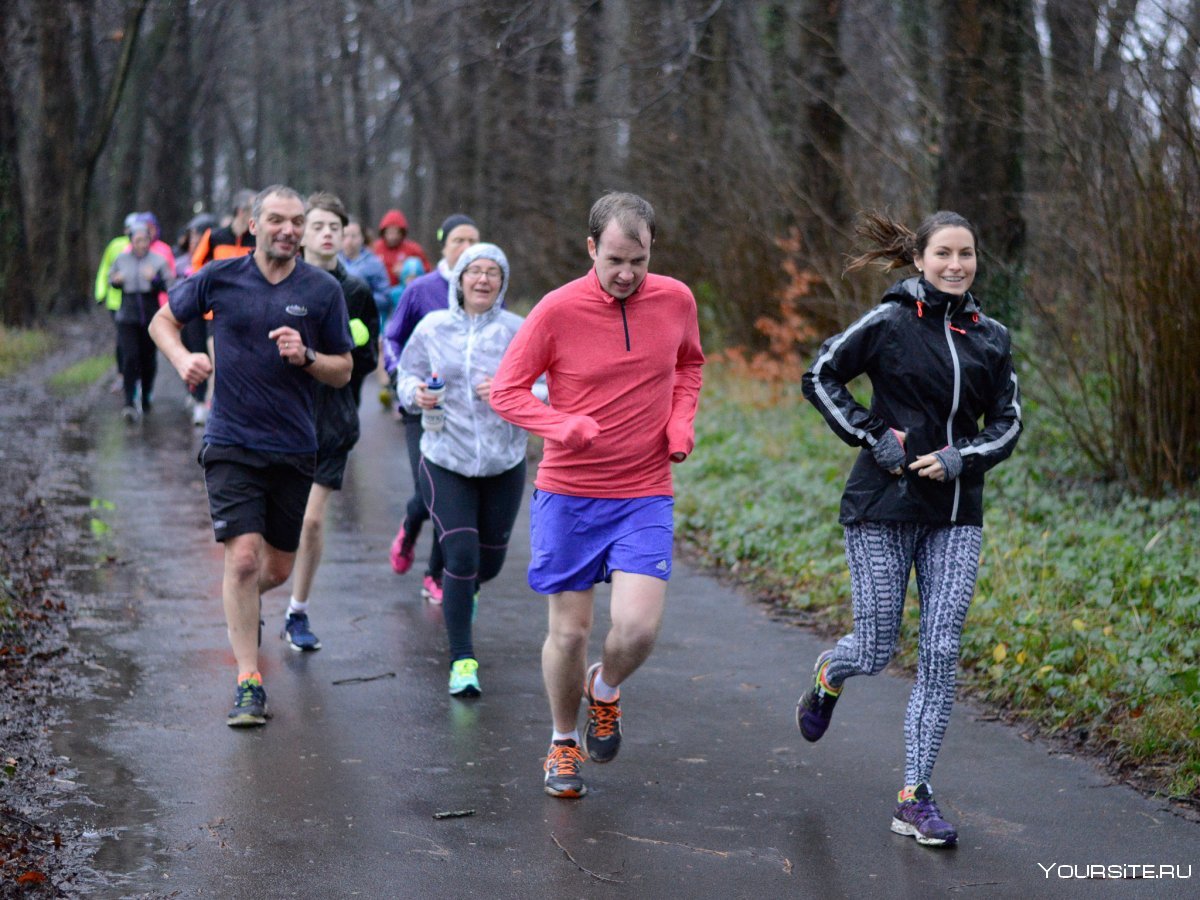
pixel 937 366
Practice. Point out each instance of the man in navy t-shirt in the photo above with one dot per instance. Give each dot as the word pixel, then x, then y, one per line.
pixel 279 325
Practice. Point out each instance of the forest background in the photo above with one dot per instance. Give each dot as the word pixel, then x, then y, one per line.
pixel 1067 130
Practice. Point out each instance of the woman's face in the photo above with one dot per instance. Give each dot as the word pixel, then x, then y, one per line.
pixel 948 262
pixel 481 282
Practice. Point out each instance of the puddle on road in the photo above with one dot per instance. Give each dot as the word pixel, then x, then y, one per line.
pixel 107 819
pixel 112 816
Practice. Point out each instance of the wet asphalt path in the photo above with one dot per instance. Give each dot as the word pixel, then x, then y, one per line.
pixel 714 794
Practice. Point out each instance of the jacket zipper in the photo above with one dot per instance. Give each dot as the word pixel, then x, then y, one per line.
pixel 625 322
pixel 953 403
pixel 471 392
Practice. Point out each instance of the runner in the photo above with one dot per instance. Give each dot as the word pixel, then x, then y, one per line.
pixel 362 263
pixel 937 366
pixel 280 326
pixel 472 469
pixel 195 333
pixel 336 408
pixel 394 245
pixel 621 349
pixel 422 296
pixel 140 275
pixel 105 292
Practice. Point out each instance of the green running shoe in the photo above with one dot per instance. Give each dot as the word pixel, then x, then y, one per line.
pixel 464 678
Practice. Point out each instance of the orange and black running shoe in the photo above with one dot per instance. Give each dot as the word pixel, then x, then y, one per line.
pixel 603 735
pixel 562 770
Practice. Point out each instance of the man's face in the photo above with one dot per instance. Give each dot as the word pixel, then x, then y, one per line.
pixel 322 235
pixel 458 240
pixel 279 227
pixel 140 243
pixel 352 240
pixel 621 262
pixel 393 235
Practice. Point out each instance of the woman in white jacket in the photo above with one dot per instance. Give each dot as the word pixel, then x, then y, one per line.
pixel 472 472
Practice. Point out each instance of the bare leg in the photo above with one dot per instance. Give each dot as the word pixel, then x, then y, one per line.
pixel 564 655
pixel 637 611
pixel 312 542
pixel 240 593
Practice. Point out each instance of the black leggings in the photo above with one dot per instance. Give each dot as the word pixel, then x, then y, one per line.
pixel 139 360
pixel 415 512
pixel 473 520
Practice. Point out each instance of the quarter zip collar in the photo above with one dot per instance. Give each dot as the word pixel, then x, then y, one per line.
pixel 593 282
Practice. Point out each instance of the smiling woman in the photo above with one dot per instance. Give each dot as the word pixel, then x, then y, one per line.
pixel 914 498
pixel 472 470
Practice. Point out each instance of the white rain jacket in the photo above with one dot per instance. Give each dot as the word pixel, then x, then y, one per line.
pixel 464 350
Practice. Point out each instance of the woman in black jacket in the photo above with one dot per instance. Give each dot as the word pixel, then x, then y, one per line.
pixel 937 365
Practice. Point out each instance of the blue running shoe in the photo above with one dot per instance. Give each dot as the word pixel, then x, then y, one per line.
pixel 815 709
pixel 297 633
pixel 249 704
pixel 918 816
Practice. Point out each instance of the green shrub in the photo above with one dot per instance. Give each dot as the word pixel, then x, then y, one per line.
pixel 83 373
pixel 21 346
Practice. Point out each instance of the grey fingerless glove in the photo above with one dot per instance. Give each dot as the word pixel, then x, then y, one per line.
pixel 888 451
pixel 951 461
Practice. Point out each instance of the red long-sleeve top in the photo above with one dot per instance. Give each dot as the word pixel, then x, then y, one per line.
pixel 624 379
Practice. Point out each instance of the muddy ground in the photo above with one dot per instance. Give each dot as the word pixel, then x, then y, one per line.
pixel 44 516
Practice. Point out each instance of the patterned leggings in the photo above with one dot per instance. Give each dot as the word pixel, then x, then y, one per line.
pixel 881 555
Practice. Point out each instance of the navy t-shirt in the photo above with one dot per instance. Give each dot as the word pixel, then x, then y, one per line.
pixel 261 401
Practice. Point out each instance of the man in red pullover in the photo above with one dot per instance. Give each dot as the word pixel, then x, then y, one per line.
pixel 621 352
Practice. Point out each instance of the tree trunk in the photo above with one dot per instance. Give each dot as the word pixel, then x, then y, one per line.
pixel 980 171
pixel 65 160
pixel 16 296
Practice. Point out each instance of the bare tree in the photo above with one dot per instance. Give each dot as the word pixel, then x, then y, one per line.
pixel 71 122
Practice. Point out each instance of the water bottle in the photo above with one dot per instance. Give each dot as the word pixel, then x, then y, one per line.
pixel 433 419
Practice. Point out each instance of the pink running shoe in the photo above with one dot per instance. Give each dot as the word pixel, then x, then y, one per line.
pixel 431 590
pixel 402 553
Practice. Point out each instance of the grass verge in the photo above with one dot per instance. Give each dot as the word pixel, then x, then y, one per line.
pixel 1086 617
pixel 21 346
pixel 83 373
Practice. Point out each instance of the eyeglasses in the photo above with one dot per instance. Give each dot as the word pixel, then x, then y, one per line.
pixel 490 274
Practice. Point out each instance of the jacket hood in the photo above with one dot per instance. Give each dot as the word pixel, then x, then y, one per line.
pixel 912 290
pixel 393 218
pixel 472 253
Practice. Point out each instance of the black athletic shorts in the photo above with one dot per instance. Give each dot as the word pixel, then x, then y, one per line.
pixel 331 469
pixel 257 492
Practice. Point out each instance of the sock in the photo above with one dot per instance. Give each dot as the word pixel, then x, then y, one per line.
pixel 294 606
pixel 244 675
pixel 566 736
pixel 908 793
pixel 824 676
pixel 602 691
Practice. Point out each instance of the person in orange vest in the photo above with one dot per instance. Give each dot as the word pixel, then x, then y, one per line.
pixel 235 239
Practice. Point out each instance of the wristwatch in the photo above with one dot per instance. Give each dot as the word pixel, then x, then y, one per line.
pixel 310 357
